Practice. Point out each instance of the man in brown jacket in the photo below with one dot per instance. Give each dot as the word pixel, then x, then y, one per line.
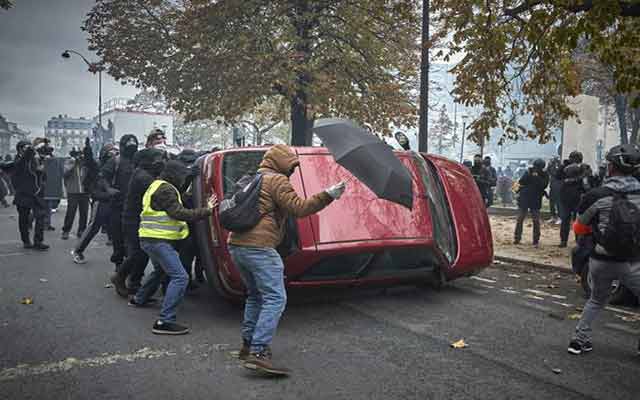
pixel 260 265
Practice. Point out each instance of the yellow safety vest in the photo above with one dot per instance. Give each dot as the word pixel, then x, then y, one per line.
pixel 157 224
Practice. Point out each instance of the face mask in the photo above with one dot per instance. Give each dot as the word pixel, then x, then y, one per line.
pixel 160 146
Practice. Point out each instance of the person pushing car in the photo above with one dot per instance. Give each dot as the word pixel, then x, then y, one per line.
pixel 260 266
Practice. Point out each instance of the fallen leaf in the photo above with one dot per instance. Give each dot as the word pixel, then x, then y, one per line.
pixel 108 286
pixel 556 370
pixel 574 316
pixel 43 280
pixel 26 300
pixel 460 344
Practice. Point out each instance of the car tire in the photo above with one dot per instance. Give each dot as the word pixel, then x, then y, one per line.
pixel 619 294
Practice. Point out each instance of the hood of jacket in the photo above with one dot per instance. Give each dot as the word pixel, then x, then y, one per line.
pixel 150 159
pixel 175 173
pixel 280 159
pixel 128 153
pixel 623 184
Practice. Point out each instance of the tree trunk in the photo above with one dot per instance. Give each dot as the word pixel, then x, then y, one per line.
pixel 635 125
pixel 300 123
pixel 621 111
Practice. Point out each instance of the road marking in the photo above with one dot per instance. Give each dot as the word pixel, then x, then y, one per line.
pixel 562 304
pixel 537 306
pixel 487 286
pixel 538 292
pixel 530 296
pixel 485 280
pixel 557 296
pixel 509 291
pixel 621 311
pixel 12 254
pixel 24 370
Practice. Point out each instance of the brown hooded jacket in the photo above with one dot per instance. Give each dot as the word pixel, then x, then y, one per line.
pixel 277 200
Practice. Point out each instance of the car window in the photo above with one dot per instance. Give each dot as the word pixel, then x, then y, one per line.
pixel 237 164
pixel 440 212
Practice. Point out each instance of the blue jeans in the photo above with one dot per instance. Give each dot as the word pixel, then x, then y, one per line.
pixel 165 260
pixel 262 272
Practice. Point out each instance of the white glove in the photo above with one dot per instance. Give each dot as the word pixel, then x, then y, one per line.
pixel 336 191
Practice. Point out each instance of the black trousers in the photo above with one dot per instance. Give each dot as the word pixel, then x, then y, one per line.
pixel 117 236
pixel 136 262
pixel 24 222
pixel 99 217
pixel 76 202
pixel 535 217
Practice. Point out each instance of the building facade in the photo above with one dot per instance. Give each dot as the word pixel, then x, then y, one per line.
pixel 10 135
pixel 65 133
pixel 120 121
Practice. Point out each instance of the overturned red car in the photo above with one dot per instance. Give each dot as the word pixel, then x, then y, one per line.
pixel 360 239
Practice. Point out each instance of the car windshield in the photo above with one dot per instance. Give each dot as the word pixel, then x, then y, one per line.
pixel 237 164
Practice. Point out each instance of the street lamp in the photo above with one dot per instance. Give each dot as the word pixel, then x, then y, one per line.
pixel 93 68
pixel 464 134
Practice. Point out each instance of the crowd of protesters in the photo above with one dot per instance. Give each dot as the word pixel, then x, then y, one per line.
pixel 142 199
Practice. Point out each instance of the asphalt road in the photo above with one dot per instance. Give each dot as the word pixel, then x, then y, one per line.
pixel 78 340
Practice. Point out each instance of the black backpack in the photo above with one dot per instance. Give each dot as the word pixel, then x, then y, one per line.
pixel 239 212
pixel 621 237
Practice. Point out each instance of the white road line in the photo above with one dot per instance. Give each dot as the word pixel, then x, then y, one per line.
pixel 557 296
pixel 537 306
pixel 12 254
pixel 23 370
pixel 538 292
pixel 621 311
pixel 562 304
pixel 485 280
pixel 487 286
pixel 509 291
pixel 530 296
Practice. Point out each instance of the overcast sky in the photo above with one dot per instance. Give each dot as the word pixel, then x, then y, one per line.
pixel 36 83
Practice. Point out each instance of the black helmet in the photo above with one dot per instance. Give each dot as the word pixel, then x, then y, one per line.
pixel 625 157
pixel 539 163
pixel 575 157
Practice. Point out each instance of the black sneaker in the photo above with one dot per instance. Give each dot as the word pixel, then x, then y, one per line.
pixel 28 245
pixel 65 235
pixel 577 348
pixel 563 245
pixel 41 246
pixel 79 235
pixel 150 302
pixel 78 258
pixel 169 328
pixel 51 228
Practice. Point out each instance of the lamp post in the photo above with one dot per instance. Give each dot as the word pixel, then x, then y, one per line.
pixel 93 68
pixel 464 134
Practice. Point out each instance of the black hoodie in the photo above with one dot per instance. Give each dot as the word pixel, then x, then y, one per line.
pixel 116 173
pixel 149 165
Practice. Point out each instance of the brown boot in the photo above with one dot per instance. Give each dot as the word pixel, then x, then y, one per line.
pixel 261 362
pixel 243 353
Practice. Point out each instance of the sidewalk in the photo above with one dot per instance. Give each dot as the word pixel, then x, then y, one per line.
pixel 548 255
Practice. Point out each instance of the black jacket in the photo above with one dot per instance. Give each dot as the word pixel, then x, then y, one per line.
pixel 571 185
pixel 28 179
pixel 116 174
pixel 149 166
pixel 532 186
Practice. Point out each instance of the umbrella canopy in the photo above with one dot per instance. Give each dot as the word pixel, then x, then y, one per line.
pixel 368 158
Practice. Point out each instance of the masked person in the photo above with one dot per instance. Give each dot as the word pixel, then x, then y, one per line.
pixel 571 176
pixel 493 180
pixel 163 223
pixel 157 140
pixel 100 198
pixel 53 190
pixel 150 163
pixel 260 266
pixel 75 175
pixel 482 177
pixel 611 214
pixel 28 179
pixel 116 175
pixel 532 187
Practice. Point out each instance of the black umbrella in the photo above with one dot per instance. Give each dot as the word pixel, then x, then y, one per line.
pixel 368 158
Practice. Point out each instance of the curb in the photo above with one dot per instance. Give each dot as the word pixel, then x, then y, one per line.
pixel 534 264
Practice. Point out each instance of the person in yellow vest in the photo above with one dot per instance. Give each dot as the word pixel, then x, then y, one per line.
pixel 163 224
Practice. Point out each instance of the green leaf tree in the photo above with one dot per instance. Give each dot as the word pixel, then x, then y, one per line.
pixel 355 59
pixel 517 56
